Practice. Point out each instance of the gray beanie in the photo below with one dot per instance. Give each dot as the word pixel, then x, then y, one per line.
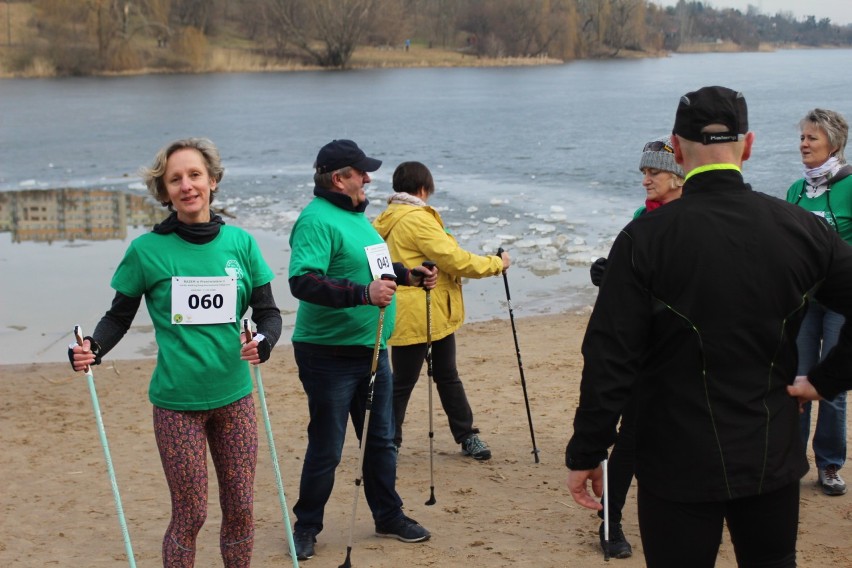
pixel 659 155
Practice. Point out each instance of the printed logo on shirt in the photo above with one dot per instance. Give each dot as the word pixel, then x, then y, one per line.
pixel 826 217
pixel 232 268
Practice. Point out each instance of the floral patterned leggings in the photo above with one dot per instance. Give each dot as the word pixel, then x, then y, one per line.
pixel 182 437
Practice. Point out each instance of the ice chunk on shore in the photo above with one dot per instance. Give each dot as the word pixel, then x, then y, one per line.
pixel 507 238
pixel 542 228
pixel 542 267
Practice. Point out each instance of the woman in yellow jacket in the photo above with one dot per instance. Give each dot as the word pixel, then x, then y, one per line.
pixel 415 232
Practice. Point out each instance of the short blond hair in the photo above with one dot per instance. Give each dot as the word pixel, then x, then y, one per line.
pixel 153 176
pixel 834 126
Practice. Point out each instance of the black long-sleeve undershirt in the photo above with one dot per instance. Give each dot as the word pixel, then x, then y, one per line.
pixel 336 292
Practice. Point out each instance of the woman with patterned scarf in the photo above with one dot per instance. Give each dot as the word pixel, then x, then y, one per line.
pixel 826 191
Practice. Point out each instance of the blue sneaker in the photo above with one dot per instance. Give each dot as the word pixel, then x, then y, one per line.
pixel 404 529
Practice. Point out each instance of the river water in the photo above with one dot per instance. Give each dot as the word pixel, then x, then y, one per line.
pixel 539 160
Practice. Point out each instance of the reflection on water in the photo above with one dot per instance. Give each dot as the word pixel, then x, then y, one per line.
pixel 71 214
pixel 66 244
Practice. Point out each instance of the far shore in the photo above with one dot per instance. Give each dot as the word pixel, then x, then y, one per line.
pixel 221 60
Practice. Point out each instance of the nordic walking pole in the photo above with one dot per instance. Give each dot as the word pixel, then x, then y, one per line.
pixel 430 265
pixel 606 509
pixel 373 368
pixel 520 364
pixel 78 335
pixel 271 442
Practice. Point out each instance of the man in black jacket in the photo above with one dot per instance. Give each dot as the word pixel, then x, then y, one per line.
pixel 700 309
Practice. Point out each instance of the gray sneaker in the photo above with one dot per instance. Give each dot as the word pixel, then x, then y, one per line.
pixel 830 481
pixel 476 448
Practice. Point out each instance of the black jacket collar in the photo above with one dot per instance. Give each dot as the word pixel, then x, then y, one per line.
pixel 340 200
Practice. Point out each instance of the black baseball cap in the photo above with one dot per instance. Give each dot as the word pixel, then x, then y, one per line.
pixel 711 105
pixel 342 153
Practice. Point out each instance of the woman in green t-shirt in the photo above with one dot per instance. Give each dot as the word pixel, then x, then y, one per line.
pixel 198 277
pixel 826 191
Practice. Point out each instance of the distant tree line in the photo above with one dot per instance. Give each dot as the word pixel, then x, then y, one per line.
pixel 90 36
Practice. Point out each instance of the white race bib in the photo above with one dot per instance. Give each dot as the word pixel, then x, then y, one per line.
pixel 379 258
pixel 204 299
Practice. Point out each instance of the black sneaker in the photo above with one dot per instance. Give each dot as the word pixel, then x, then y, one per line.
pixel 618 545
pixel 404 529
pixel 304 543
pixel 476 448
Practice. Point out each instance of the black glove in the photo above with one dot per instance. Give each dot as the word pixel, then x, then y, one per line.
pixel 264 350
pixel 597 271
pixel 93 345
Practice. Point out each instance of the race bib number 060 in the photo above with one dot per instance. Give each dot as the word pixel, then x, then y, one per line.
pixel 379 258
pixel 203 300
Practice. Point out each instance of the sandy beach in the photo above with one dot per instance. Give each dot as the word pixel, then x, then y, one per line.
pixel 58 510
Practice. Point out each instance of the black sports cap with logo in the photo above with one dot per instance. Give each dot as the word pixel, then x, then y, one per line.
pixel 339 154
pixel 711 105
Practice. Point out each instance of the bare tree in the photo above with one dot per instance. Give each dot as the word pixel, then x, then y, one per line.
pixel 591 17
pixel 626 23
pixel 194 13
pixel 327 31
pixel 157 14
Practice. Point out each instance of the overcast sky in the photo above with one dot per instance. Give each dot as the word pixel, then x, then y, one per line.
pixel 840 11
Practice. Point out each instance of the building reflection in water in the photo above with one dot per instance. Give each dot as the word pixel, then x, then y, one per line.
pixel 48 215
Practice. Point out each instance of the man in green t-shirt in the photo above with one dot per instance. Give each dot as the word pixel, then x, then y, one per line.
pixel 336 262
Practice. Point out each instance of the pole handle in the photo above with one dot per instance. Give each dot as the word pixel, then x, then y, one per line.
pixel 78 336
pixel 499 254
pixel 428 264
pixel 247 329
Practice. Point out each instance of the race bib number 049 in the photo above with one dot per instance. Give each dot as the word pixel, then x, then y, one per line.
pixel 379 258
pixel 203 300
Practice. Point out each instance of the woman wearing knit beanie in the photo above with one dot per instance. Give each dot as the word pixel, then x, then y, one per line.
pixel 663 182
pixel 663 177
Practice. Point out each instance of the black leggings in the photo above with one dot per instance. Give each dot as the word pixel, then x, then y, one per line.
pixel 407 363
pixel 763 530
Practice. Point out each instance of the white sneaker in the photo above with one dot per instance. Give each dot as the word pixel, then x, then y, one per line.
pixel 831 482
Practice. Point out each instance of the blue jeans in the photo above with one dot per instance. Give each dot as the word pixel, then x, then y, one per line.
pixel 817 336
pixel 337 388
